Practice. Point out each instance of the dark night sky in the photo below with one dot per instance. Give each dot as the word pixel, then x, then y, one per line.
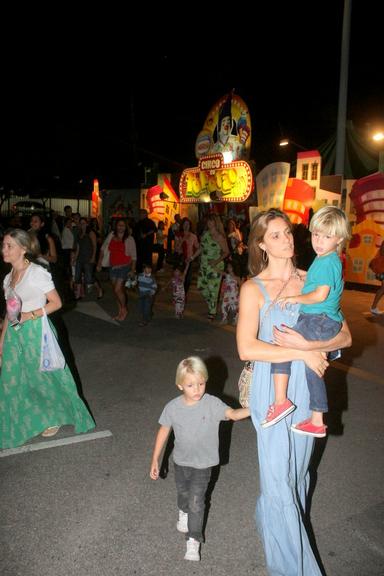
pixel 81 93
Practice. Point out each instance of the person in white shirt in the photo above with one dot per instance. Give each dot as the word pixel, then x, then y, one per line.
pixel 32 401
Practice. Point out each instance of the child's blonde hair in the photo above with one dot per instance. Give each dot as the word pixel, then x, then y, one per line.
pixel 191 365
pixel 331 220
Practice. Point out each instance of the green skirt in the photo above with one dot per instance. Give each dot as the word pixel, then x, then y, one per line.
pixel 30 400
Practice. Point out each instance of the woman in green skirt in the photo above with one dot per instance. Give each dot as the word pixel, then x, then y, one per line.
pixel 32 402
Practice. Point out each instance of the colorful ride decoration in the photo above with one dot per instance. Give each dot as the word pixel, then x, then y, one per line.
pixel 298 199
pixel 367 197
pixel 96 200
pixel 162 202
pixel 276 190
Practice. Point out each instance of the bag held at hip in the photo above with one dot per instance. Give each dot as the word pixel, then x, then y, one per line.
pixel 244 384
pixel 51 355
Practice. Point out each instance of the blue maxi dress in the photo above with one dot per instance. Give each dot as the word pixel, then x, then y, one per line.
pixel 283 460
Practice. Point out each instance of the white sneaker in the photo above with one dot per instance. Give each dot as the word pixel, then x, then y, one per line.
pixel 376 311
pixel 182 523
pixel 193 550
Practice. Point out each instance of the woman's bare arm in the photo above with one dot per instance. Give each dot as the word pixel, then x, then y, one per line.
pixel 288 337
pixel 53 303
pixel 250 348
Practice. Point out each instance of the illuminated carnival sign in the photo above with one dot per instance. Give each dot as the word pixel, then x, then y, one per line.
pixel 215 180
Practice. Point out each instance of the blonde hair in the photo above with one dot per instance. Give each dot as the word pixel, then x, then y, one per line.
pixel 191 365
pixel 256 262
pixel 331 220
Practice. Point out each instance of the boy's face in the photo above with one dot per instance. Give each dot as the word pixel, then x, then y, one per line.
pixel 193 387
pixel 324 244
pixel 147 271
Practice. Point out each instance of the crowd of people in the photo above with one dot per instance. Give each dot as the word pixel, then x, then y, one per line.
pixel 265 300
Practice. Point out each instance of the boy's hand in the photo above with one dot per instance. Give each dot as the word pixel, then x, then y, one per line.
pixel 154 472
pixel 283 302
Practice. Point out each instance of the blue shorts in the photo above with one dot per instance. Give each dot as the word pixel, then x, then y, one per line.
pixel 119 272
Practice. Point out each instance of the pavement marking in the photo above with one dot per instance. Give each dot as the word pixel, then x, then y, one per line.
pixel 95 310
pixel 55 443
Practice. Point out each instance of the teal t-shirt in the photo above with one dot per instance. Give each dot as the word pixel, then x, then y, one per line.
pixel 325 271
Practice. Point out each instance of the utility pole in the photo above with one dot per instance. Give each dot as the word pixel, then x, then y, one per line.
pixel 343 90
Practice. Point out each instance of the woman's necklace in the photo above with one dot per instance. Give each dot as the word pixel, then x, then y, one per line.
pixel 294 274
pixel 17 275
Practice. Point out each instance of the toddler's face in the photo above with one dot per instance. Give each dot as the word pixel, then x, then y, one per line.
pixel 193 387
pixel 324 244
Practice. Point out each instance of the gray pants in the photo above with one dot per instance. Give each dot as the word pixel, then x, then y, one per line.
pixel 191 485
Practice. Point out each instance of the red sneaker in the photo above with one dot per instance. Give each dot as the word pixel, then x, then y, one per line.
pixel 306 427
pixel 277 412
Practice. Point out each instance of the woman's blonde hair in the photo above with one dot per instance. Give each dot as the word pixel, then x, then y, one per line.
pixel 258 258
pixel 331 220
pixel 191 365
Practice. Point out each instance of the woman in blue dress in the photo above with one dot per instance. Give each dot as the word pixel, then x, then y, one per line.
pixel 283 456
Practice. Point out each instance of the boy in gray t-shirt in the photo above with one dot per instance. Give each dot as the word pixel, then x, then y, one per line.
pixel 195 417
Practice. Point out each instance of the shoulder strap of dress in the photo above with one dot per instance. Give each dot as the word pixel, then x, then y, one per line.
pixel 260 284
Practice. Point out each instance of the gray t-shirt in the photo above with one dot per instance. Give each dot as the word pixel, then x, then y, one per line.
pixel 196 430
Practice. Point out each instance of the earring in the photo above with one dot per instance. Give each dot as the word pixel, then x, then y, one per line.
pixel 26 261
pixel 265 256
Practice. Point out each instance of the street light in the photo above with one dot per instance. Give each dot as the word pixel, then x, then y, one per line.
pixel 287 142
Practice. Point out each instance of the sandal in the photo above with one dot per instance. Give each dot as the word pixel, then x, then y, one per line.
pixel 51 431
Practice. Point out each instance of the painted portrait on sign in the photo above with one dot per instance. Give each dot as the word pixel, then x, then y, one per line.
pixel 226 129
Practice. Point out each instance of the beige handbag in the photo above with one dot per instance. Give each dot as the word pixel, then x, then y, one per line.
pixel 244 383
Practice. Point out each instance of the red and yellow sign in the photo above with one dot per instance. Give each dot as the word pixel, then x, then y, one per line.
pixel 213 180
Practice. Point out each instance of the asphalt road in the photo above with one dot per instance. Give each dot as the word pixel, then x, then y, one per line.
pixel 85 505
